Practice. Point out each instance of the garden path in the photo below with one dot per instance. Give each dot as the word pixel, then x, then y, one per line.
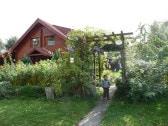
pixel 95 116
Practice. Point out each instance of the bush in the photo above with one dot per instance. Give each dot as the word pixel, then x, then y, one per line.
pixel 122 88
pixel 42 73
pixel 27 60
pixel 61 75
pixel 144 82
pixel 142 91
pixel 73 80
pixel 30 91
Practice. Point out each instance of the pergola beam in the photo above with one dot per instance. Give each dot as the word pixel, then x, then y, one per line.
pixel 106 37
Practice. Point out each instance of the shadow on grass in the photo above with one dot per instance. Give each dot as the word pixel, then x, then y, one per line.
pixel 123 113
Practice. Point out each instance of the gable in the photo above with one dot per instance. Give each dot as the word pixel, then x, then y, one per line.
pixel 35 52
pixel 39 51
pixel 56 30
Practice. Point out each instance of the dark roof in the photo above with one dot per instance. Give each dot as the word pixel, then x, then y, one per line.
pixel 64 30
pixel 42 51
pixel 60 31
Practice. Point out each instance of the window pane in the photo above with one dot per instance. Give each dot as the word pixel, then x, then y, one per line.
pixel 51 40
pixel 36 42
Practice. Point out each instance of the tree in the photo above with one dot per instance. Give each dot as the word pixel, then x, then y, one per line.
pixel 147 64
pixel 142 33
pixel 10 42
pixel 1 45
pixel 152 38
pixel 158 35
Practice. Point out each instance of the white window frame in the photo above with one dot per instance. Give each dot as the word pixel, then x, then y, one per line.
pixel 35 41
pixel 50 40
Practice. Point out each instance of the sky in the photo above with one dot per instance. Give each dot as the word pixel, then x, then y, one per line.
pixel 16 16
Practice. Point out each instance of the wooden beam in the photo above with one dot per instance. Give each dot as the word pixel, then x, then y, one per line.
pixel 119 34
pixel 108 37
pixel 123 57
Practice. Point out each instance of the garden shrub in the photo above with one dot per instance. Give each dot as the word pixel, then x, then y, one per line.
pixel 27 60
pixel 56 55
pixel 145 81
pixel 25 74
pixel 29 91
pixel 140 91
pixel 61 75
pixel 72 79
pixel 122 88
pixel 42 74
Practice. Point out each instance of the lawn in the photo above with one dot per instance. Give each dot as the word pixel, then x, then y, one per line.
pixel 32 112
pixel 121 113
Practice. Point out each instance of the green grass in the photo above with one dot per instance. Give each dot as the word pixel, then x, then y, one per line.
pixel 121 113
pixel 32 112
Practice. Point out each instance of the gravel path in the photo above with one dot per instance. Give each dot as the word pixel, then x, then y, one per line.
pixel 95 116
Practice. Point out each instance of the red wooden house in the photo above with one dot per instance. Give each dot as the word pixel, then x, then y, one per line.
pixel 39 41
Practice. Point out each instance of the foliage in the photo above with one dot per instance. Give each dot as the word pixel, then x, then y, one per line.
pixel 142 35
pixel 146 65
pixel 29 91
pixel 78 77
pixel 151 41
pixel 162 54
pixel 145 81
pixel 158 33
pixel 7 59
pixel 122 113
pixel 10 42
pixel 27 60
pixel 113 61
pixel 146 51
pixel 4 88
pixel 112 47
pixel 73 78
pixel 42 73
pixel 122 88
pixel 2 46
pixel 56 55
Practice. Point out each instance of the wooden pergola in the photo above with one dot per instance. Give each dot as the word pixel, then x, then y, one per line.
pixel 111 37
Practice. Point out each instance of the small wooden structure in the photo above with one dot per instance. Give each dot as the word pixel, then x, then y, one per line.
pixel 114 47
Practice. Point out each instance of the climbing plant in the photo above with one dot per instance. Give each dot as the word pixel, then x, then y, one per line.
pixel 76 77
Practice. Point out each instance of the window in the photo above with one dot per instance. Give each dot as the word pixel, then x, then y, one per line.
pixel 51 40
pixel 35 42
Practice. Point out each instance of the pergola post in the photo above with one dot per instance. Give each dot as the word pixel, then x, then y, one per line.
pixel 123 58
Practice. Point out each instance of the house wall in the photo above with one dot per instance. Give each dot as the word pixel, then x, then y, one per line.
pixel 39 31
pixel 59 42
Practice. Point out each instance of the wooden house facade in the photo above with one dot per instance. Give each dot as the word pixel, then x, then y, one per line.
pixel 40 41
